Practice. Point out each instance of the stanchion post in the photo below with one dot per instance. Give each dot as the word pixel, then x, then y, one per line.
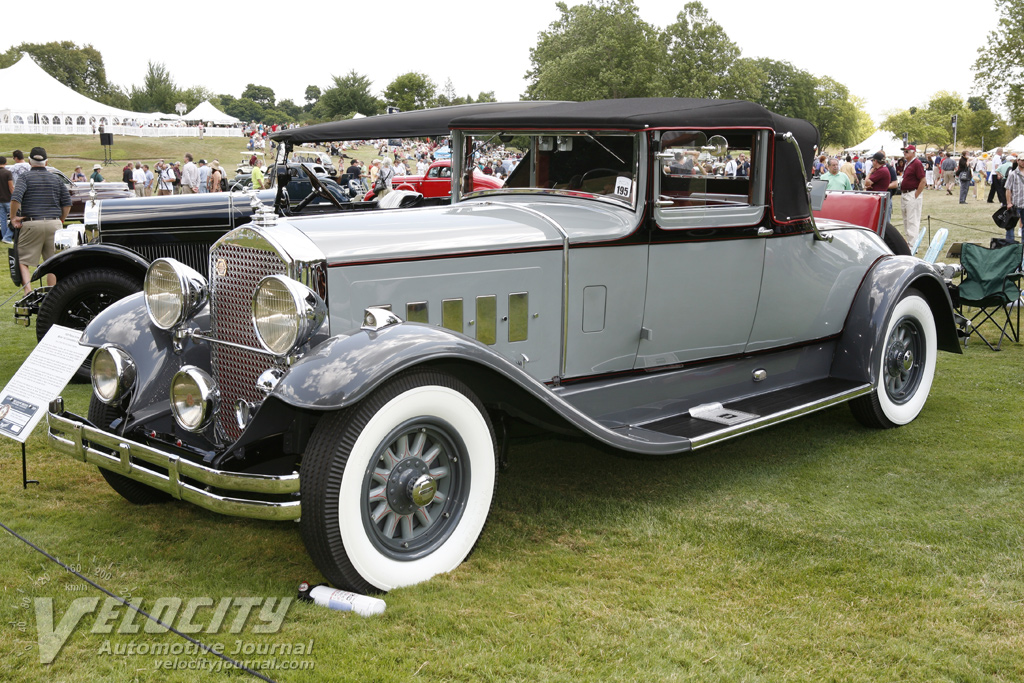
pixel 25 481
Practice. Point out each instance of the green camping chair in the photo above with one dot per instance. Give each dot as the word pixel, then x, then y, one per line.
pixel 991 283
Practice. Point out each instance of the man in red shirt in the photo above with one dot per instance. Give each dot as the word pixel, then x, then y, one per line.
pixel 912 187
pixel 879 179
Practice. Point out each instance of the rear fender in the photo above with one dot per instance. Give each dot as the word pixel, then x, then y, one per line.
pixel 858 355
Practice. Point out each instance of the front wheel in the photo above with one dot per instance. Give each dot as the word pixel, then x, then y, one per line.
pixel 906 369
pixel 397 489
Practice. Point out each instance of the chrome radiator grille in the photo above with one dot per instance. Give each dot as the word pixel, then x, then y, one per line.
pixel 236 370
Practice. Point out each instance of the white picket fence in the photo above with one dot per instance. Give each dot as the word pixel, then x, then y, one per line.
pixel 135 131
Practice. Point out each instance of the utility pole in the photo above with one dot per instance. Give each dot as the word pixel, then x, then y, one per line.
pixel 954 133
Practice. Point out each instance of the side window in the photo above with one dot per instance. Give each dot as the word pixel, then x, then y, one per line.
pixel 445 171
pixel 433 173
pixel 708 174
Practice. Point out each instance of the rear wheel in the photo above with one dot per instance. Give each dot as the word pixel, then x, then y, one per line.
pixel 101 415
pixel 76 299
pixel 906 369
pixel 894 239
pixel 397 489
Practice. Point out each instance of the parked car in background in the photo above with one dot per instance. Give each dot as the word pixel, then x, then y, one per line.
pixel 437 181
pixel 359 372
pixel 306 155
pixel 82 193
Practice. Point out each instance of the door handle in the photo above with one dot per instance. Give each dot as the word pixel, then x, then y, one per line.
pixel 765 232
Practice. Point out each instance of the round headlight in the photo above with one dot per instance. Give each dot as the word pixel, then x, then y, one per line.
pixel 174 292
pixel 194 398
pixel 113 374
pixel 286 313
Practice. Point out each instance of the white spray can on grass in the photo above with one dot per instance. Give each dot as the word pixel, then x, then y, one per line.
pixel 343 601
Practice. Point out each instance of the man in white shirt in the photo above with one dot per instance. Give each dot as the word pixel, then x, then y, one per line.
pixel 139 176
pixel 189 176
pixel 730 167
pixel 166 184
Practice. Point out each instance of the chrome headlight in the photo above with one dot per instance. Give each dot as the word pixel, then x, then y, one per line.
pixel 113 373
pixel 67 238
pixel 285 313
pixel 174 292
pixel 195 398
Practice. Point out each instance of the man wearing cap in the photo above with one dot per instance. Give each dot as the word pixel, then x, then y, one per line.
pixel 44 202
pixel 879 180
pixel 912 187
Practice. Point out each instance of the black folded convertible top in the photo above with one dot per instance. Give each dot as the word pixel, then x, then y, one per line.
pixel 407 124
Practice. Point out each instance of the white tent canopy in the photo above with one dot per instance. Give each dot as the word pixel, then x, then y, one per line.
pixel 34 96
pixel 208 113
pixel 1014 145
pixel 879 140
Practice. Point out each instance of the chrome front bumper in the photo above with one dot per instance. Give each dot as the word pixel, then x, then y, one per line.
pixel 73 435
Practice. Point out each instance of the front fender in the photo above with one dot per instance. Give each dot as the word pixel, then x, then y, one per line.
pixel 68 261
pixel 344 369
pixel 858 356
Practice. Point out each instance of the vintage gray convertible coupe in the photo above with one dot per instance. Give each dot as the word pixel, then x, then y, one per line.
pixel 360 372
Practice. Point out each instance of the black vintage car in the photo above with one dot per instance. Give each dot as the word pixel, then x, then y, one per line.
pixel 131 233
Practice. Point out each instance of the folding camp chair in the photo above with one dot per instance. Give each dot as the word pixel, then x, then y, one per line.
pixel 990 284
pixel 932 255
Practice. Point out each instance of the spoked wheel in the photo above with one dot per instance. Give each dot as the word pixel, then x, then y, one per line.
pixel 78 298
pixel 397 489
pixel 907 366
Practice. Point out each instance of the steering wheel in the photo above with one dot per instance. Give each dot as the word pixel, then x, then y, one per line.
pixel 318 188
pixel 596 171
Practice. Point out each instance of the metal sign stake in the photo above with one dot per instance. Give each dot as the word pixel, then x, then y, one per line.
pixel 25 481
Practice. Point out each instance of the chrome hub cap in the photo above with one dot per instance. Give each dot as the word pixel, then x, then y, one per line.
pixel 415 489
pixel 904 360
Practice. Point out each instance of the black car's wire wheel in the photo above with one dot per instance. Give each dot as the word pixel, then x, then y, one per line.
pixel 397 489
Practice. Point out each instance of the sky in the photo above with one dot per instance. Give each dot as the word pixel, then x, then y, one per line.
pixel 882 53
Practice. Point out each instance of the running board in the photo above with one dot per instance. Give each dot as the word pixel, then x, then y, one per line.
pixel 710 423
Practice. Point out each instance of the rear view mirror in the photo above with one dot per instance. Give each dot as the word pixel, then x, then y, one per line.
pixel 818 188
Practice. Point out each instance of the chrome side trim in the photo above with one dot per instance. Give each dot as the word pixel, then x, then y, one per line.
pixel 776 418
pixel 76 438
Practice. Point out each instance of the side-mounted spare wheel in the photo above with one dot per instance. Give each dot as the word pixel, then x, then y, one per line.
pixel 76 299
pixel 101 415
pixel 397 489
pixel 907 366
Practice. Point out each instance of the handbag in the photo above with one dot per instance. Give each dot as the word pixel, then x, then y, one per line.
pixel 965 176
pixel 12 261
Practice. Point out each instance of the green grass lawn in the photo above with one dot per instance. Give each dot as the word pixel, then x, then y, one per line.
pixel 817 550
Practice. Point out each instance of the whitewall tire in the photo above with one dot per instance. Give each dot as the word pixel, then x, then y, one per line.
pixel 398 488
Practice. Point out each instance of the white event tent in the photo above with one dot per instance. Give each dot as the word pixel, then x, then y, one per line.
pixel 1014 145
pixel 29 95
pixel 207 113
pixel 879 140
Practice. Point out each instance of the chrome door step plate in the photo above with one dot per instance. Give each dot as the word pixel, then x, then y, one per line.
pixel 764 410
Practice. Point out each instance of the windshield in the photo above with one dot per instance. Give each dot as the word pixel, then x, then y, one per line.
pixel 598 165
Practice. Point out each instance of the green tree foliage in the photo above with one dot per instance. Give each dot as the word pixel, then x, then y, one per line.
pixel 700 54
pixel 79 68
pixel 290 109
pixel 157 92
pixel 411 91
pixel 599 50
pixel 260 94
pixel 999 69
pixel 245 109
pixel 922 126
pixel 349 94
pixel 312 94
pixel 836 115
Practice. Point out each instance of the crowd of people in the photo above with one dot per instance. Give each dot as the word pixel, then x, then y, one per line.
pixel 912 173
pixel 165 177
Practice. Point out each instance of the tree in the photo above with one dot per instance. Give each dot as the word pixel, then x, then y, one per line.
pixel 745 81
pixel 999 69
pixel 349 94
pixel 411 91
pixel 699 54
pixel 594 51
pixel 312 95
pixel 290 109
pixel 921 126
pixel 260 94
pixel 835 115
pixel 79 68
pixel 245 109
pixel 787 90
pixel 158 91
